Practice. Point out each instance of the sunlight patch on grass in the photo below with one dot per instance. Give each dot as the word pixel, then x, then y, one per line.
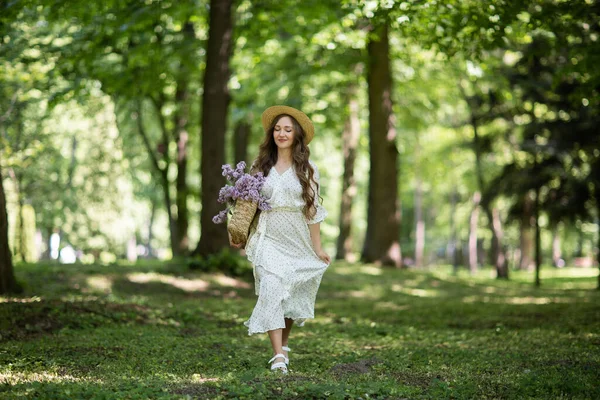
pixel 490 289
pixel 224 280
pixel 353 270
pixel 569 272
pixel 197 378
pixel 15 378
pixel 520 300
pixel 99 282
pixel 414 282
pixel 360 294
pixel 34 299
pixel 188 285
pixel 369 270
pixel 388 305
pixel 415 292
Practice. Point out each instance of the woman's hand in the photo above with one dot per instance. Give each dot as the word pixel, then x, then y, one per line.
pixel 236 245
pixel 323 255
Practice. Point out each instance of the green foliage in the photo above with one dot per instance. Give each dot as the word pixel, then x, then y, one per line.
pixel 226 261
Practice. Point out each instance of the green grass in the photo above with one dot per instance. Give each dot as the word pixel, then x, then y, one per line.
pixel 161 331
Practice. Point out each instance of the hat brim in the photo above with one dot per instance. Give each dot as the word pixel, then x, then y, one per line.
pixel 272 112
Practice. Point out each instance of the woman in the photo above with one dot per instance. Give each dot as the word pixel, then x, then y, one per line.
pixel 285 245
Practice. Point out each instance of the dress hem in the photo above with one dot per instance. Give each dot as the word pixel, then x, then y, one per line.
pixel 299 324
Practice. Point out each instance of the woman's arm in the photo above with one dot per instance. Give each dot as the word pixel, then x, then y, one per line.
pixel 315 235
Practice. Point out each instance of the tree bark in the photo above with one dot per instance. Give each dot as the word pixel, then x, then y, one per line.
pixel 215 102
pixel 497 254
pixel 556 252
pixel 452 250
pixel 420 223
pixel 162 174
pixel 597 195
pixel 538 243
pixel 181 137
pixel 8 283
pixel 20 237
pixel 501 260
pixel 473 233
pixel 526 239
pixel 382 240
pixel 350 138
pixel 241 137
pixel 150 227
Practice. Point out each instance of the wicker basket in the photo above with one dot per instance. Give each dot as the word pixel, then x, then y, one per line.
pixel 243 215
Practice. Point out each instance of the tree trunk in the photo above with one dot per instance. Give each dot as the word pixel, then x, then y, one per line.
pixel 597 195
pixel 162 172
pixel 215 102
pixel 556 252
pixel 501 261
pixel 579 248
pixel 350 138
pixel 452 248
pixel 526 239
pixel 181 117
pixel 150 227
pixel 8 283
pixel 473 233
pixel 382 243
pixel 538 245
pixel 241 137
pixel 46 254
pixel 20 237
pixel 420 223
pixel 497 254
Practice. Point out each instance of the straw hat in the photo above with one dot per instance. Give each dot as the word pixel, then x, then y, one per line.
pixel 270 113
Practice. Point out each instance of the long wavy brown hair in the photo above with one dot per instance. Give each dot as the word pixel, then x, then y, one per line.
pixel 267 158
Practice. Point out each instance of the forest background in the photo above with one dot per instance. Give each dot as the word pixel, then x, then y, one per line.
pixel 460 133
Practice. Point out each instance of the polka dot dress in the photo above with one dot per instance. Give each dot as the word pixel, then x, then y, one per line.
pixel 287 271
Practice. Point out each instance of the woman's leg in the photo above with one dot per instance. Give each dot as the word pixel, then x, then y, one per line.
pixel 286 333
pixel 275 336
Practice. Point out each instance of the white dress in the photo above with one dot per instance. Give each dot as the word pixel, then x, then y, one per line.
pixel 287 270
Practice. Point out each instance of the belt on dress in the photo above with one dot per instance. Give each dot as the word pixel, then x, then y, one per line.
pixel 285 208
pixel 262 221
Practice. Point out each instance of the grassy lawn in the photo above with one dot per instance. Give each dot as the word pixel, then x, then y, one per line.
pixel 161 331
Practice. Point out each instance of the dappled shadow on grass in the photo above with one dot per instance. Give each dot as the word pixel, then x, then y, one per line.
pixel 378 332
pixel 66 386
pixel 361 281
pixel 359 297
pixel 56 279
pixel 160 286
pixel 22 320
pixel 357 367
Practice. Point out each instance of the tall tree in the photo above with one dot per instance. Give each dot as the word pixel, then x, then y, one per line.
pixel 478 114
pixel 215 102
pixel 350 138
pixel 8 283
pixel 382 243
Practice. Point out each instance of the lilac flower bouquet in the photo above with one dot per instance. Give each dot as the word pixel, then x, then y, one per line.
pixel 244 187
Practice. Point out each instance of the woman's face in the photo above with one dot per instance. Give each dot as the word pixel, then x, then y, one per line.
pixel 284 133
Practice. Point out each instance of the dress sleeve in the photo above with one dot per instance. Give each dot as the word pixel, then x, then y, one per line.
pixel 321 211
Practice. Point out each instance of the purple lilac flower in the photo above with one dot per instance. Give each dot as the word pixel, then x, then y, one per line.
pixel 220 217
pixel 245 187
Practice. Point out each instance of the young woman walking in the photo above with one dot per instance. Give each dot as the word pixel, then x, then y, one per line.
pixel 285 245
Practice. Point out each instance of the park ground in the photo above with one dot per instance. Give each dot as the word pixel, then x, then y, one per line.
pixel 161 330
